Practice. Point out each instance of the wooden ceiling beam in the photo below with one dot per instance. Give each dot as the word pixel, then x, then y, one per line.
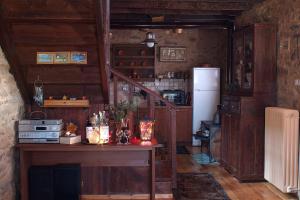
pixel 102 31
pixel 44 20
pixel 166 5
pixel 158 12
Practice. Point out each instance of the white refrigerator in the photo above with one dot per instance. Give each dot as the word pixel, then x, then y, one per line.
pixel 205 96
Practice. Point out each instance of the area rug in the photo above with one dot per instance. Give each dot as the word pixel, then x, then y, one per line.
pixel 203 159
pixel 200 186
pixel 182 150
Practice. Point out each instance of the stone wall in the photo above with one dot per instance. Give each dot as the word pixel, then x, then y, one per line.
pixel 203 46
pixel 286 14
pixel 11 110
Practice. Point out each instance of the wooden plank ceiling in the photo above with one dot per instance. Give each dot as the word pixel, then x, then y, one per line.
pixel 30 26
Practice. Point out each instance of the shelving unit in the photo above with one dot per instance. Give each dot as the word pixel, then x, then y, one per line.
pixel 136 61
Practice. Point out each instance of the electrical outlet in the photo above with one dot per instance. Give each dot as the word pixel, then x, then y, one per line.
pixel 297 82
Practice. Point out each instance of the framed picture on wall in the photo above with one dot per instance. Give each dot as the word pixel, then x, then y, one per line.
pixel 79 57
pixel 44 57
pixel 62 57
pixel 172 54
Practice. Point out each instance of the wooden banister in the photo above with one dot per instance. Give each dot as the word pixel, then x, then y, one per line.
pixel 151 107
pixel 148 91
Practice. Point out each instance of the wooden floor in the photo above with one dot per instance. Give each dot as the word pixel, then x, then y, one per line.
pixel 234 189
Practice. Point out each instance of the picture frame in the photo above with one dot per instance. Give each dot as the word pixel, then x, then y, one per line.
pixel 172 54
pixel 78 57
pixel 62 57
pixel 45 57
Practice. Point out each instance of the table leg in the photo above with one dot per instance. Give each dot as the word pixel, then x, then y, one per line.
pixel 24 166
pixel 152 192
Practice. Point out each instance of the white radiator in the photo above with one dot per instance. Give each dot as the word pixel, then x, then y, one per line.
pixel 282 148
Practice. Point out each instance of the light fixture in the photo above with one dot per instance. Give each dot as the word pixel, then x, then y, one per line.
pixel 150 39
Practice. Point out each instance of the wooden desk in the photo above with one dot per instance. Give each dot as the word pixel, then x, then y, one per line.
pixel 85 155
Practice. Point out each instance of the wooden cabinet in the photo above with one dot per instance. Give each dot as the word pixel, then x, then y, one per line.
pixel 136 61
pixel 252 88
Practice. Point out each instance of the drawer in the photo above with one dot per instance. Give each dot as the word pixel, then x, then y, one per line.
pixel 231 105
pixel 235 107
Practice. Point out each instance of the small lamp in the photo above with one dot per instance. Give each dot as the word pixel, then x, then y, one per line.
pixel 150 40
pixel 146 129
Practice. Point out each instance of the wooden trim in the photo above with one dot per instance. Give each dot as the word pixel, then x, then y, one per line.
pixel 84 147
pixel 124 196
pixel 102 32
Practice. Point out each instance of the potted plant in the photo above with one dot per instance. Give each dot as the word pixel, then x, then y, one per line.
pixel 122 117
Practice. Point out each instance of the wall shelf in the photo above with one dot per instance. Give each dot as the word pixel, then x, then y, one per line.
pixel 134 60
pixel 53 103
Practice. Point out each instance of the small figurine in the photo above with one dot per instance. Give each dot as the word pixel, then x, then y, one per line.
pixel 71 129
pixel 65 97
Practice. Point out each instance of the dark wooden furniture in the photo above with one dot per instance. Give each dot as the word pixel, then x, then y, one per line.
pixel 252 88
pixel 136 61
pixel 89 157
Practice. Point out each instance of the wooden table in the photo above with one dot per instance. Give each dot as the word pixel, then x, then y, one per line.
pixel 85 155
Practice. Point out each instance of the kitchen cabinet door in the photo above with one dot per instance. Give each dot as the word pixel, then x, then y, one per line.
pixel 233 142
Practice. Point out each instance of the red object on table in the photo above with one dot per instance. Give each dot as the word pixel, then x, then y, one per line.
pixel 135 140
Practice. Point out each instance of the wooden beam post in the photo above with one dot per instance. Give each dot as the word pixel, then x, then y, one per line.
pixel 151 106
pixel 115 88
pixel 102 31
pixel 172 147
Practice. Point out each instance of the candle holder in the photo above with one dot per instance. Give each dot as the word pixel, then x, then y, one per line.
pixel 146 129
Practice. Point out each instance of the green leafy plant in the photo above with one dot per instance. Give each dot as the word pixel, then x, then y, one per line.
pixel 121 110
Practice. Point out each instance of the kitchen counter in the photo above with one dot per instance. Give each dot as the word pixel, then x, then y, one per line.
pixel 177 107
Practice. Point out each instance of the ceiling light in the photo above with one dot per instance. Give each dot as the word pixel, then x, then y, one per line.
pixel 150 40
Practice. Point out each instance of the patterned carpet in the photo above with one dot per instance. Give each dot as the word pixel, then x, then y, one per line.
pixel 198 186
pixel 203 159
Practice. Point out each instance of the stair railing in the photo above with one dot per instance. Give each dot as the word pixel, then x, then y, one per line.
pixel 151 96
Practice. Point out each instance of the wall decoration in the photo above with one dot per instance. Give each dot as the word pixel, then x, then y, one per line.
pixel 79 57
pixel 44 57
pixel 172 54
pixel 62 57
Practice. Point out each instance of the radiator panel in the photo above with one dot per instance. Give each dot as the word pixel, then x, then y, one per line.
pixel 281 148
